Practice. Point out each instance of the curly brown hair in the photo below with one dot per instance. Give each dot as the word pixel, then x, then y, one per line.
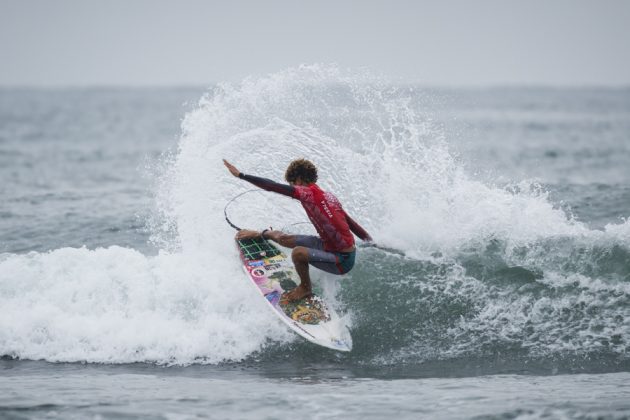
pixel 302 169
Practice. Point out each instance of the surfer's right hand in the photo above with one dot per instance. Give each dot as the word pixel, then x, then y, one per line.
pixel 247 234
pixel 231 168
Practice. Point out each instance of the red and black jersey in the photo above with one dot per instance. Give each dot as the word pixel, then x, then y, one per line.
pixel 323 209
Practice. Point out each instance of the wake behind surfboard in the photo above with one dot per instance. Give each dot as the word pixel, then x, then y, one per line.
pixel 273 274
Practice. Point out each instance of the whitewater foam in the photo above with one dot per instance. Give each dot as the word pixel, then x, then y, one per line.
pixel 115 305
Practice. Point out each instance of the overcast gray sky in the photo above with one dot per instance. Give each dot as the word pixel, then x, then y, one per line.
pixel 442 42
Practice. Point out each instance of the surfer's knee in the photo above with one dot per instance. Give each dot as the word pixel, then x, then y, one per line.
pixel 300 254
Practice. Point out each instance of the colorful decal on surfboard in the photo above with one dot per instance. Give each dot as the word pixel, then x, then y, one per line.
pixel 310 310
pixel 257 249
pixel 270 271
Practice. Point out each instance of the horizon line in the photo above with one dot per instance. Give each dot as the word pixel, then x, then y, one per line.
pixel 427 86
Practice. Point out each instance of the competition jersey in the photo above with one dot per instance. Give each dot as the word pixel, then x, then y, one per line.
pixel 325 212
pixel 323 209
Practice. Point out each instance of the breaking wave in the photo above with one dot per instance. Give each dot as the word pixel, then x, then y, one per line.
pixel 483 269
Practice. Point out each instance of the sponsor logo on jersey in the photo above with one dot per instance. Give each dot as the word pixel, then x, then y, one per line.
pixel 326 209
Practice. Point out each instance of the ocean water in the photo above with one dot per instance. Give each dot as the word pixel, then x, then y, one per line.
pixel 505 292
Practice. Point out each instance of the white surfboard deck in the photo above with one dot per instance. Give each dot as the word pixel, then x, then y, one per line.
pixel 273 274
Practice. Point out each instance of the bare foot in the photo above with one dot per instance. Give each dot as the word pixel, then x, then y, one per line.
pixel 298 293
pixel 247 234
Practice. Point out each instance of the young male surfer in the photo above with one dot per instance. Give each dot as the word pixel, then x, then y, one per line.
pixel 334 250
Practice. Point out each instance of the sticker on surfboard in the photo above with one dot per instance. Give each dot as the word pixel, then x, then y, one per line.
pixel 273 274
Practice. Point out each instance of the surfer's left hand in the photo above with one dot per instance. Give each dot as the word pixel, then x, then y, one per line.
pixel 231 168
pixel 247 234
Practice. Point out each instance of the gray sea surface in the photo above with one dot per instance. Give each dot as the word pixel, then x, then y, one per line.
pixel 87 391
pixel 508 297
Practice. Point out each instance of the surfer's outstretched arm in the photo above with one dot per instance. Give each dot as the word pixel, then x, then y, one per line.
pixel 264 183
pixel 269 185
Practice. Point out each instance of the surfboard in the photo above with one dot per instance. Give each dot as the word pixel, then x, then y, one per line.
pixel 273 274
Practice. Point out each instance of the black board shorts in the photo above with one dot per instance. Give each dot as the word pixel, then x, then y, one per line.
pixel 331 262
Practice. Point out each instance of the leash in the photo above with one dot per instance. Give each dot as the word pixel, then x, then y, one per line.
pixel 227 219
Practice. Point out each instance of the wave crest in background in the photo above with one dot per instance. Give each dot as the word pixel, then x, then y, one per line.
pixel 487 269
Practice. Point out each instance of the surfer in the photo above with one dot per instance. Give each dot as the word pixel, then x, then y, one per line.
pixel 333 250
